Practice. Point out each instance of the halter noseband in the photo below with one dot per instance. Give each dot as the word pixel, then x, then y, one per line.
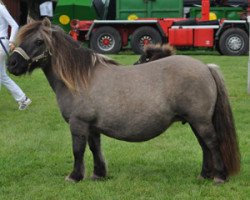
pixel 30 60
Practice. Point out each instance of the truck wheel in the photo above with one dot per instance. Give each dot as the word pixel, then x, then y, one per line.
pixel 217 47
pixel 233 42
pixel 143 36
pixel 106 40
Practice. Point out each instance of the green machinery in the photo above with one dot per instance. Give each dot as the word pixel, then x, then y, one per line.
pixel 67 10
pixel 126 9
pixel 230 13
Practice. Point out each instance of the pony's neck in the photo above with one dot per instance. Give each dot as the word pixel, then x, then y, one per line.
pixel 53 80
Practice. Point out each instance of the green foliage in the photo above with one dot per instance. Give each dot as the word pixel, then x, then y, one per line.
pixel 36 155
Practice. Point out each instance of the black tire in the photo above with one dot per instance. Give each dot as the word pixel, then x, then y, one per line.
pixel 142 36
pixel 217 47
pixel 106 40
pixel 234 42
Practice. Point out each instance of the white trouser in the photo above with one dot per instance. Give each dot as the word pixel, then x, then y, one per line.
pixel 5 80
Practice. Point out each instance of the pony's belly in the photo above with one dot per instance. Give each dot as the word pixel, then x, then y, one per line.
pixel 137 133
pixel 133 137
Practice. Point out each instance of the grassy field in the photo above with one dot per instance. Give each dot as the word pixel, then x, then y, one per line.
pixel 36 155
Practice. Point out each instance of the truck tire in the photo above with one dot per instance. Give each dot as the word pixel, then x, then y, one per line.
pixel 106 40
pixel 143 36
pixel 233 42
pixel 217 47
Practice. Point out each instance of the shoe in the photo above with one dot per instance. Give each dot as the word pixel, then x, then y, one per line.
pixel 24 104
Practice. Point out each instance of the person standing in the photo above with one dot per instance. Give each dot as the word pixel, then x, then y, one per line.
pixel 46 9
pixel 38 9
pixel 7 44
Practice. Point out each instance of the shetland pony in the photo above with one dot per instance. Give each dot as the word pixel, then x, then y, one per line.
pixel 97 96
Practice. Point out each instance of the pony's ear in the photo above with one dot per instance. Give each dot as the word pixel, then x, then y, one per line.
pixel 46 22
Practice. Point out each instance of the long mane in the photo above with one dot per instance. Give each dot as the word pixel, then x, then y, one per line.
pixel 71 62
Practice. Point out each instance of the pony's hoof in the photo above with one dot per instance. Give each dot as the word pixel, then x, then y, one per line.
pixel 218 181
pixel 72 180
pixel 200 178
pixel 67 178
pixel 95 177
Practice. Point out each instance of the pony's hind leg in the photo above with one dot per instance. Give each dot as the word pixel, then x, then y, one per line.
pixel 79 132
pixel 207 134
pixel 100 170
pixel 207 162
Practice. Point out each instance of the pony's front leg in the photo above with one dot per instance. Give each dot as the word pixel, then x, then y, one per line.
pixel 100 170
pixel 79 132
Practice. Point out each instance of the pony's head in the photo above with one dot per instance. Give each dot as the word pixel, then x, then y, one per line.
pixel 33 48
pixel 40 44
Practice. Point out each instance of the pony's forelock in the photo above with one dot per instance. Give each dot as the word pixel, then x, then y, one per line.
pixel 28 30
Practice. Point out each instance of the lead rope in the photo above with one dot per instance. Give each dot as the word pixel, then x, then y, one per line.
pixel 5 50
pixel 7 53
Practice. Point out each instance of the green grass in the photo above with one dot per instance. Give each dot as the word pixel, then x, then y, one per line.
pixel 36 155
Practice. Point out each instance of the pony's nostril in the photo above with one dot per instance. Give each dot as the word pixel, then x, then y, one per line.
pixel 12 63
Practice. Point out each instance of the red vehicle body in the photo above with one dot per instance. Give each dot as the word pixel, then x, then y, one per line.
pixel 229 37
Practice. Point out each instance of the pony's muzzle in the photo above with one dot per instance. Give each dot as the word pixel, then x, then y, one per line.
pixel 12 66
pixel 11 63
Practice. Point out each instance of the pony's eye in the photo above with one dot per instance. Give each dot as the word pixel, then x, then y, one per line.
pixel 39 42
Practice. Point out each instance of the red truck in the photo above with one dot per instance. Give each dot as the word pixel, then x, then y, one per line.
pixel 229 37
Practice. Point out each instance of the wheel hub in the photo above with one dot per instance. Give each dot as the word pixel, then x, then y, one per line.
pixel 235 43
pixel 145 40
pixel 106 42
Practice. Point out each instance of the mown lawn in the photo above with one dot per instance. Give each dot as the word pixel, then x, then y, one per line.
pixel 36 155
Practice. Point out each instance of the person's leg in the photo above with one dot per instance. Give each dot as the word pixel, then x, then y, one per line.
pixel 14 89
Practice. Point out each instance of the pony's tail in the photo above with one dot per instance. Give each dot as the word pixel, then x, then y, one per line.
pixel 224 125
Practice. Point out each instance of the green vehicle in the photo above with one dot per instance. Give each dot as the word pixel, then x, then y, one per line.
pixel 66 10
pixel 229 13
pixel 107 26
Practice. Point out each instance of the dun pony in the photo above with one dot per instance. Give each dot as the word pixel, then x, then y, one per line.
pixel 136 103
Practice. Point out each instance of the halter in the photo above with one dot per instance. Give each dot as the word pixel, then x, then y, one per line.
pixel 30 60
